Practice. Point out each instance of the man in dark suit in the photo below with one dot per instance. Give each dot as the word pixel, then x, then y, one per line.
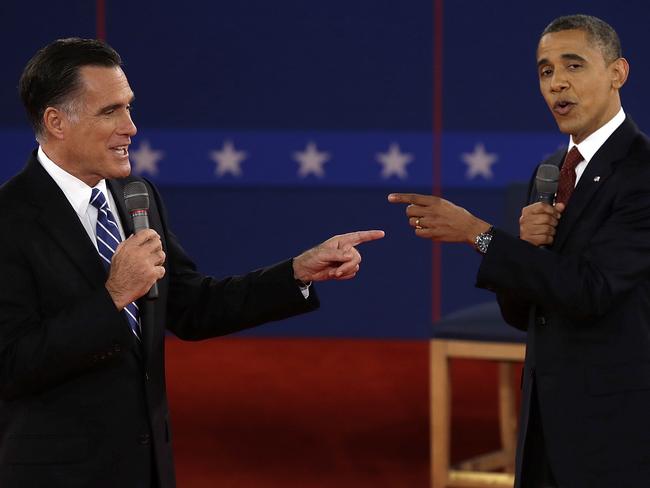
pixel 578 279
pixel 82 386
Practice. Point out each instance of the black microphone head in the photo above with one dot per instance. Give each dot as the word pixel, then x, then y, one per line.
pixel 546 182
pixel 136 196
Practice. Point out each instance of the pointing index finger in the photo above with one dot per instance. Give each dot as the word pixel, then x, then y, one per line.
pixel 412 198
pixel 355 238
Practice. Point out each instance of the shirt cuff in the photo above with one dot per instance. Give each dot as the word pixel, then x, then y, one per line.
pixel 304 288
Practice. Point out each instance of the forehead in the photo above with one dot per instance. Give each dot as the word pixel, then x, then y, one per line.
pixel 105 83
pixel 555 45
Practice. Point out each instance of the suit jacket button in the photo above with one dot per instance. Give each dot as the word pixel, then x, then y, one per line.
pixel 540 320
pixel 144 439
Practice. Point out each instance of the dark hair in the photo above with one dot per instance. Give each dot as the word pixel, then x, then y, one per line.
pixel 51 78
pixel 598 32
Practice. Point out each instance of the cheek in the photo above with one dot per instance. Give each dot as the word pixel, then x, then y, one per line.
pixel 548 100
pixel 545 92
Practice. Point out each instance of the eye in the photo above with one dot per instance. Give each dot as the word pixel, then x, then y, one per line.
pixel 545 72
pixel 575 66
pixel 108 111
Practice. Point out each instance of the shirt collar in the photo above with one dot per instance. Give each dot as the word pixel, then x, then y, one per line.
pixel 76 191
pixel 594 141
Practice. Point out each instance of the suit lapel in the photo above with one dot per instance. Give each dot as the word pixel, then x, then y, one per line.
pixel 58 218
pixel 595 176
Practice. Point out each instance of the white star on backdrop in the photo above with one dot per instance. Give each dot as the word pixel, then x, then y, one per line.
pixel 228 159
pixel 146 159
pixel 394 162
pixel 311 161
pixel 479 162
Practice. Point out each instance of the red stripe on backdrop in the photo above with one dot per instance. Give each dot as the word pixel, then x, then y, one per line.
pixel 437 147
pixel 100 19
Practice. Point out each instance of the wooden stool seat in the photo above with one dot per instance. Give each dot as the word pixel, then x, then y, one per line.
pixel 477 332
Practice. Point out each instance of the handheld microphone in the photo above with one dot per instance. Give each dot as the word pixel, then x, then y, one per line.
pixel 546 182
pixel 136 198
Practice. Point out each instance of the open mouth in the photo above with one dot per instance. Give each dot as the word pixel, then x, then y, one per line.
pixel 121 150
pixel 563 107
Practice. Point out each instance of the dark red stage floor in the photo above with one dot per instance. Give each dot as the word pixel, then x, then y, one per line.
pixel 316 412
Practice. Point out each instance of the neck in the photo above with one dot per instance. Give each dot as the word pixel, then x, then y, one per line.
pixel 58 157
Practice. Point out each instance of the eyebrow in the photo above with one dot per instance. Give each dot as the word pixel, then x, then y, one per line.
pixel 567 57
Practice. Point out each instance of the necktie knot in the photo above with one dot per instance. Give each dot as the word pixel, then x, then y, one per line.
pixel 568 175
pixel 97 199
pixel 572 159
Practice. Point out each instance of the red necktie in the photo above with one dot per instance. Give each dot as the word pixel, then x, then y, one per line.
pixel 568 175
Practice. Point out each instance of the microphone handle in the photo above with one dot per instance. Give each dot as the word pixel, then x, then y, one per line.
pixel 546 198
pixel 140 222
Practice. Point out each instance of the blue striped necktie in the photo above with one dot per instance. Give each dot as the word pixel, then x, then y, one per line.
pixel 108 237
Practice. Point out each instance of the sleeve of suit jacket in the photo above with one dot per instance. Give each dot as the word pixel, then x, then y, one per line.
pixel 200 306
pixel 55 327
pixel 606 257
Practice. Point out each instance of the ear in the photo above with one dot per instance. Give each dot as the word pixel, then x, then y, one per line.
pixel 619 69
pixel 55 122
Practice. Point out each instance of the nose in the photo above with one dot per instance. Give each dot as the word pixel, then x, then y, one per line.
pixel 127 127
pixel 558 82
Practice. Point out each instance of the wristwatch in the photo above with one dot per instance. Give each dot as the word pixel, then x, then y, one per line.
pixel 482 241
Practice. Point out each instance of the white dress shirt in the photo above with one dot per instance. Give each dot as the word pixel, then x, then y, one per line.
pixel 78 194
pixel 593 143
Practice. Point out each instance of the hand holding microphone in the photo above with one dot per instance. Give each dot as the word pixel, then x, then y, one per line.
pixel 539 220
pixel 138 261
pixel 136 198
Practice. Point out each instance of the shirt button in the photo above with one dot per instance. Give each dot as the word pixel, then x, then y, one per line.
pixel 144 439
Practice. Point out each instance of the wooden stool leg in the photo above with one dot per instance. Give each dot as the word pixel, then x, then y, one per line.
pixel 507 415
pixel 440 414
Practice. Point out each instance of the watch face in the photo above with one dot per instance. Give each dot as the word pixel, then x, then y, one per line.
pixel 483 241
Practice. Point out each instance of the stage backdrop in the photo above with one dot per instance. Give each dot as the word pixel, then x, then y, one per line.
pixel 270 126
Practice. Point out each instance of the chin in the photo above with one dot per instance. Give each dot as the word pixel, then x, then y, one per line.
pixel 121 171
pixel 564 127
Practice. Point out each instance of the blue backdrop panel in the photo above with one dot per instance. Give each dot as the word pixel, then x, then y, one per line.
pixel 490 75
pixel 351 77
pixel 230 231
pixel 25 27
pixel 287 64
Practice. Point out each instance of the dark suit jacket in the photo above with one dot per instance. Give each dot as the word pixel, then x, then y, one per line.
pixel 81 403
pixel 586 305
